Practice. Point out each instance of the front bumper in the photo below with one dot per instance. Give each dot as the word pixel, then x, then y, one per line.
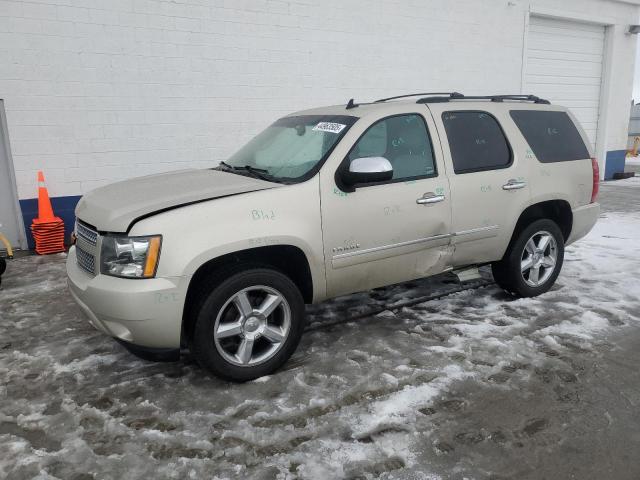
pixel 145 312
pixel 584 218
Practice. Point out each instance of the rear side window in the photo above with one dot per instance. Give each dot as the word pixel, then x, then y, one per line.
pixel 476 141
pixel 552 136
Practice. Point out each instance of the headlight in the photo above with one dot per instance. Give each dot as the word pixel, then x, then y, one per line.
pixel 130 257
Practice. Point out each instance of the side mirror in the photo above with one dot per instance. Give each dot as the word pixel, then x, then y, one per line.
pixel 367 170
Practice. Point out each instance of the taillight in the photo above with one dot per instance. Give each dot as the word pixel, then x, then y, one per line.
pixel 596 179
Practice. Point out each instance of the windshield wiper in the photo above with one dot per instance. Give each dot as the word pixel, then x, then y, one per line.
pixel 260 173
pixel 256 172
pixel 225 164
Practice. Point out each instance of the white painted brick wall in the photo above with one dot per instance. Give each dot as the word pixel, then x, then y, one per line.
pixel 101 90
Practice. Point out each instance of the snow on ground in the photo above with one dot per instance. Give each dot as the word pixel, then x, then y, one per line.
pixel 363 397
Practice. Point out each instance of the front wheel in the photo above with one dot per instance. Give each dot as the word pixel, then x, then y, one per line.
pixel 248 325
pixel 533 260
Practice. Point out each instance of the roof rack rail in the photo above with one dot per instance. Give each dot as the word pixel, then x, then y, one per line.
pixel 437 97
pixel 352 104
pixel 493 98
pixel 416 95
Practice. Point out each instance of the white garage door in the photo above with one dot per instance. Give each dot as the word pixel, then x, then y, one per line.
pixel 564 65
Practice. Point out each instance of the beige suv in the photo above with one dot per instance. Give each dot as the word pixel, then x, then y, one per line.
pixel 327 202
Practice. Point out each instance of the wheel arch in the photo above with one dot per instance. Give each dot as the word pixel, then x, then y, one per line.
pixel 290 260
pixel 557 210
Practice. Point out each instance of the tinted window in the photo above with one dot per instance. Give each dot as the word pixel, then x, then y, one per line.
pixel 551 135
pixel 476 141
pixel 404 141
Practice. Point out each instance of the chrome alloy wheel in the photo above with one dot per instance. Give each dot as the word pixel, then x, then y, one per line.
pixel 252 325
pixel 539 259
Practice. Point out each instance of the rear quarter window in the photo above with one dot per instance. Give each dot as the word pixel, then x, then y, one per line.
pixel 476 141
pixel 552 136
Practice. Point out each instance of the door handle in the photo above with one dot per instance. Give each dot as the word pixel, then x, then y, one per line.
pixel 514 185
pixel 429 198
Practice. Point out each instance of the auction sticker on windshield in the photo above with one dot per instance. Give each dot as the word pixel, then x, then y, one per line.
pixel 329 127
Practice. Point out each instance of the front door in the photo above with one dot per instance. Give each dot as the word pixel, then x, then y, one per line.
pixel 392 231
pixel 10 223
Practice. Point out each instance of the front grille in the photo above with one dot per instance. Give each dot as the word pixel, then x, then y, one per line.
pixel 86 246
pixel 87 233
pixel 86 260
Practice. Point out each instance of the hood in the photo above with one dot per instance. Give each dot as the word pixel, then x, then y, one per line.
pixel 115 207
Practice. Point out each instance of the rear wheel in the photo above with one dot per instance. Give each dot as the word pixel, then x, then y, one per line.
pixel 533 260
pixel 248 325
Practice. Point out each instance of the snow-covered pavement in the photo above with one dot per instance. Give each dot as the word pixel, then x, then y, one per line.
pixel 473 384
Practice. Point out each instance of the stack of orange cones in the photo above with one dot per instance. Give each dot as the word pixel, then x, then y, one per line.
pixel 47 229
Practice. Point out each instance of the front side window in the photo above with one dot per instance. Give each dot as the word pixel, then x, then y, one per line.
pixel 552 136
pixel 291 149
pixel 476 141
pixel 404 141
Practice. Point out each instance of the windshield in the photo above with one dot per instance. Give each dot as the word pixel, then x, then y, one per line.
pixel 291 149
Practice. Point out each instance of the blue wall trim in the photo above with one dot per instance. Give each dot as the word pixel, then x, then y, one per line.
pixel 614 163
pixel 63 207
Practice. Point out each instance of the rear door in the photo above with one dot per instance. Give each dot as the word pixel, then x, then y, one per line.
pixel 488 176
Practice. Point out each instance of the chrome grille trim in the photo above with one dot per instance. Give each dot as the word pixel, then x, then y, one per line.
pixel 86 233
pixel 85 260
pixel 86 247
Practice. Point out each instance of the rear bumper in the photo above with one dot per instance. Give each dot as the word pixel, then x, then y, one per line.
pixel 141 312
pixel 584 218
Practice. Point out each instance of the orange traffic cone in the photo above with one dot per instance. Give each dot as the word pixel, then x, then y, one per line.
pixel 47 229
pixel 45 211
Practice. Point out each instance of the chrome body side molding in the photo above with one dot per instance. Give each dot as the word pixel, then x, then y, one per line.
pixel 385 251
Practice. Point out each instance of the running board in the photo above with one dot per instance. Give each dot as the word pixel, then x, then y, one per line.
pixel 467 274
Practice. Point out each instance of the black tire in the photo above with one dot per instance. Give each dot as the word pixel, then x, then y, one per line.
pixel 215 296
pixel 508 271
pixel 3 265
